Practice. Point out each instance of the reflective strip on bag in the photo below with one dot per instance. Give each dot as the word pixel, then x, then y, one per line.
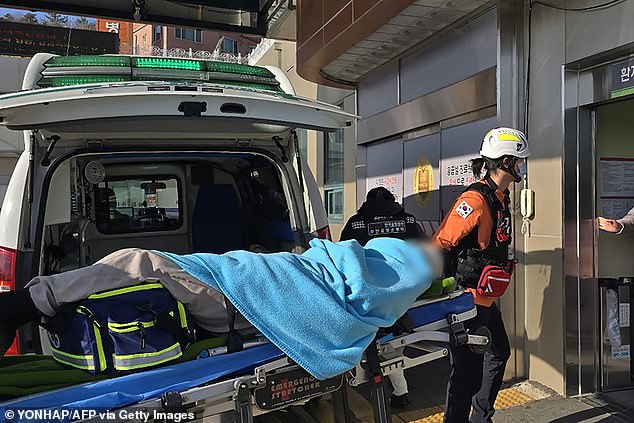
pixel 182 314
pixel 138 361
pixel 84 362
pixel 103 364
pixel 128 327
pixel 115 292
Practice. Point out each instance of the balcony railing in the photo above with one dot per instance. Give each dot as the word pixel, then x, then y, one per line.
pixel 216 55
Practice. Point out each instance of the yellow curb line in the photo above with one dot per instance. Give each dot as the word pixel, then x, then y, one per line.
pixel 506 398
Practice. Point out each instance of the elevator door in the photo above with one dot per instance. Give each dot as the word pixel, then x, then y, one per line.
pixel 615 197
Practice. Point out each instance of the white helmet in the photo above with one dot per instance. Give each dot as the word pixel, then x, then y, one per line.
pixel 500 142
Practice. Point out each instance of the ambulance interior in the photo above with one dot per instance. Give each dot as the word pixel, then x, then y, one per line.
pixel 210 203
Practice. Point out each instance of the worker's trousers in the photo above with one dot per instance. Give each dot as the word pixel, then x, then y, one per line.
pixel 475 379
pixel 399 383
pixel 128 267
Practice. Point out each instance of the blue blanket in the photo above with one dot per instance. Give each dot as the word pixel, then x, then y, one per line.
pixel 324 307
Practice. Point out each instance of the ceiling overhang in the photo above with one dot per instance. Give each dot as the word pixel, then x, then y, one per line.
pixel 243 16
pixel 282 20
pixel 358 50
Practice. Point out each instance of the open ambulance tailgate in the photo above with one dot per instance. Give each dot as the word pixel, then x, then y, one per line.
pixel 160 110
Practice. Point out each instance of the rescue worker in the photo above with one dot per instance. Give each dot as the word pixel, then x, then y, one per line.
pixel 476 235
pixel 380 216
pixel 622 225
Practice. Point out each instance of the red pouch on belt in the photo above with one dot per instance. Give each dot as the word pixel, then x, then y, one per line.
pixel 495 280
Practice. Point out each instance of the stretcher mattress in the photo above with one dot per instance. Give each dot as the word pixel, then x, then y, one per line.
pixel 425 314
pixel 126 390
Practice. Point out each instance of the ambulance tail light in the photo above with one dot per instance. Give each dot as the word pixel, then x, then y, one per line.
pixel 7 283
pixel 324 233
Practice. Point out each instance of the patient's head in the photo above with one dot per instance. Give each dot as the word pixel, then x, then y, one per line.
pixel 433 254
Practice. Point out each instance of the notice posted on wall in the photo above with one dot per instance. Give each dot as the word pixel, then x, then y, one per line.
pixel 617 177
pixel 393 183
pixel 457 172
pixel 617 187
pixel 621 353
pixel 615 208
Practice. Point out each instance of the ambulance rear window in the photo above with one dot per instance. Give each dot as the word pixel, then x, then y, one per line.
pixel 138 204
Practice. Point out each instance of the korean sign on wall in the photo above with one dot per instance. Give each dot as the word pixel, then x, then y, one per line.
pixel 622 78
pixel 20 39
pixel 459 145
pixel 124 31
pixel 385 167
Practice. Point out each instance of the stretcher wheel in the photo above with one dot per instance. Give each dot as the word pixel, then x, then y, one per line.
pixel 481 349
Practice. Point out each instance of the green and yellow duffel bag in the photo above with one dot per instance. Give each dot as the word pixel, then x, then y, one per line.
pixel 123 330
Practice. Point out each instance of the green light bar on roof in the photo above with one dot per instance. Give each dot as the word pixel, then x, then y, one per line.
pixel 239 69
pixel 167 63
pixel 153 74
pixel 62 81
pixel 59 61
pixel 76 70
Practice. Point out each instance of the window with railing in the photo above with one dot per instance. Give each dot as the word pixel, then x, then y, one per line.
pixel 229 45
pixel 157 33
pixel 195 35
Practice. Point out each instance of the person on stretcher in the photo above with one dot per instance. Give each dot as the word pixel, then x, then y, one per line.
pixel 322 308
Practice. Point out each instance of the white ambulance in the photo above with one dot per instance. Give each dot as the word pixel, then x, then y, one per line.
pixel 153 152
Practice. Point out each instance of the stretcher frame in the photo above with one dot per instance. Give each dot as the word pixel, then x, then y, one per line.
pixel 233 400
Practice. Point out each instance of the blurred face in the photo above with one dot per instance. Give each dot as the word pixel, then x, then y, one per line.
pixel 519 163
pixel 434 256
pixel 519 168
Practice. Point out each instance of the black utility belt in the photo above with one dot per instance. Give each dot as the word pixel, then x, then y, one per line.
pixel 490 278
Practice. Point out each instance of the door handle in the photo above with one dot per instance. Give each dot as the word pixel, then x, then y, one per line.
pixel 192 108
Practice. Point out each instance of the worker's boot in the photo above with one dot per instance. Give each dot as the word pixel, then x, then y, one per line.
pixel 400 401
pixel 16 309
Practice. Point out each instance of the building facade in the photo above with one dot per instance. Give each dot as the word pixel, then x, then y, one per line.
pixel 122 28
pixel 432 77
pixel 147 38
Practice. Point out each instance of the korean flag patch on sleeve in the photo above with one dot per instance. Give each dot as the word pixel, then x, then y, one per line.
pixel 464 210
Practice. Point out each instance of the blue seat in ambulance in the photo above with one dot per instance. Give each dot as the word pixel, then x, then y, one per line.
pixel 217 221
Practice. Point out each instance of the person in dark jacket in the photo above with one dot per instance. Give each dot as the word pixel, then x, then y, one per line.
pixel 382 216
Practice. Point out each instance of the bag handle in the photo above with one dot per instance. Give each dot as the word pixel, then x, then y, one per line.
pixel 170 324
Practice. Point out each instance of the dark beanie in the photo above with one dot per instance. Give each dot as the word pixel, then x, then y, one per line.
pixel 380 193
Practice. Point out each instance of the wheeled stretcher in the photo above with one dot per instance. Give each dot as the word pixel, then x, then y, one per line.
pixel 259 379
